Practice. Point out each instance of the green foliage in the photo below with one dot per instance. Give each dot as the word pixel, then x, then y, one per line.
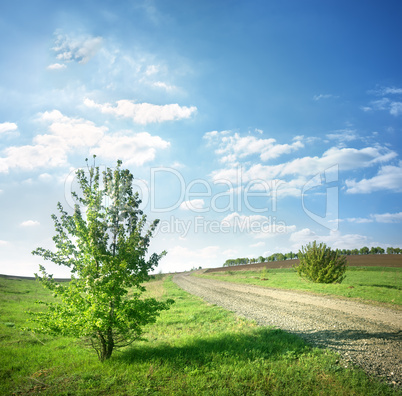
pixel 321 264
pixel 105 248
pixel 264 274
pixel 195 348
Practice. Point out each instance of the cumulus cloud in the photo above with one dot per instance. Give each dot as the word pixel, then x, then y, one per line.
pixel 182 258
pixel 80 49
pixel 389 177
pixel 144 113
pixel 136 149
pixel 66 134
pixel 195 205
pixel 30 223
pixel 7 127
pixel 233 147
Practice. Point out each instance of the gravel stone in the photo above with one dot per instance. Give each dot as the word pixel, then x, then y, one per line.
pixel 365 335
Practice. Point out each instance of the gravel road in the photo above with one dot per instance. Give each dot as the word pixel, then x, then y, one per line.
pixel 366 335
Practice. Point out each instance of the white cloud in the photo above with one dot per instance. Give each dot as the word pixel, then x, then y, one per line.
pixel 137 149
pixel 389 177
pixel 389 91
pixel 70 132
pixel 4 243
pixel 30 223
pixel 260 227
pixel 144 113
pixel 233 147
pixel 193 204
pixel 151 70
pixel 323 96
pixel 343 135
pixel 6 127
pixel 388 217
pixel 335 239
pixel 181 258
pixel 347 158
pixel 396 108
pixel 167 87
pixel 379 218
pixel 67 134
pixel 79 49
pixel 258 244
pixel 57 66
pixel 45 177
pixel 359 220
pixel 31 157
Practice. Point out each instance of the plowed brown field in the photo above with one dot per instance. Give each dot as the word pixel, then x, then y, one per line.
pixel 368 260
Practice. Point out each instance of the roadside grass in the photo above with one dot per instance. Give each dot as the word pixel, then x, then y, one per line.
pixel 194 348
pixel 367 284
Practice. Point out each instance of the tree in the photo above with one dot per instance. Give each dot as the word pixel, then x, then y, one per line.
pixel 106 250
pixel 321 264
pixel 364 250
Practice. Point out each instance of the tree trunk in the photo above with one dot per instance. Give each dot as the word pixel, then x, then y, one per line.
pixel 106 345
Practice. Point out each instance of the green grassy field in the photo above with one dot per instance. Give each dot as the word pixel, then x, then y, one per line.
pixel 194 348
pixel 368 284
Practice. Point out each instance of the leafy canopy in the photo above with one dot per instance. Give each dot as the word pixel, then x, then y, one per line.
pixel 104 245
pixel 321 264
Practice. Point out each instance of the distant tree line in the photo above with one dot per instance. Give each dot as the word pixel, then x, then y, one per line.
pixel 291 255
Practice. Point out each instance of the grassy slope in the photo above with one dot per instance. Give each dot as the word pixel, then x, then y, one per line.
pixel 194 348
pixel 368 284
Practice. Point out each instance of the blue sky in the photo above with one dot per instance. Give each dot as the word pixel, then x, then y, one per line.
pixel 252 127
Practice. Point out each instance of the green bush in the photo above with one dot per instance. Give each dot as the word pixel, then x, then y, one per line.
pixel 321 264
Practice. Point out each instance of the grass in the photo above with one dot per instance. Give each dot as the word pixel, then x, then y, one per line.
pixel 194 348
pixel 367 284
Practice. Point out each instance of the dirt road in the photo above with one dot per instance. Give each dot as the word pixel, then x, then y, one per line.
pixel 368 336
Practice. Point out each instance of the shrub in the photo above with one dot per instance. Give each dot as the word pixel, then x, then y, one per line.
pixel 321 264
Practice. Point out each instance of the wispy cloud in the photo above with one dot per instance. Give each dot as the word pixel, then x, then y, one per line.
pixel 323 96
pixel 343 135
pixel 56 66
pixel 76 48
pixel 144 113
pixel 389 177
pixel 388 217
pixel 165 86
pixel 379 218
pixel 385 104
pixel 30 223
